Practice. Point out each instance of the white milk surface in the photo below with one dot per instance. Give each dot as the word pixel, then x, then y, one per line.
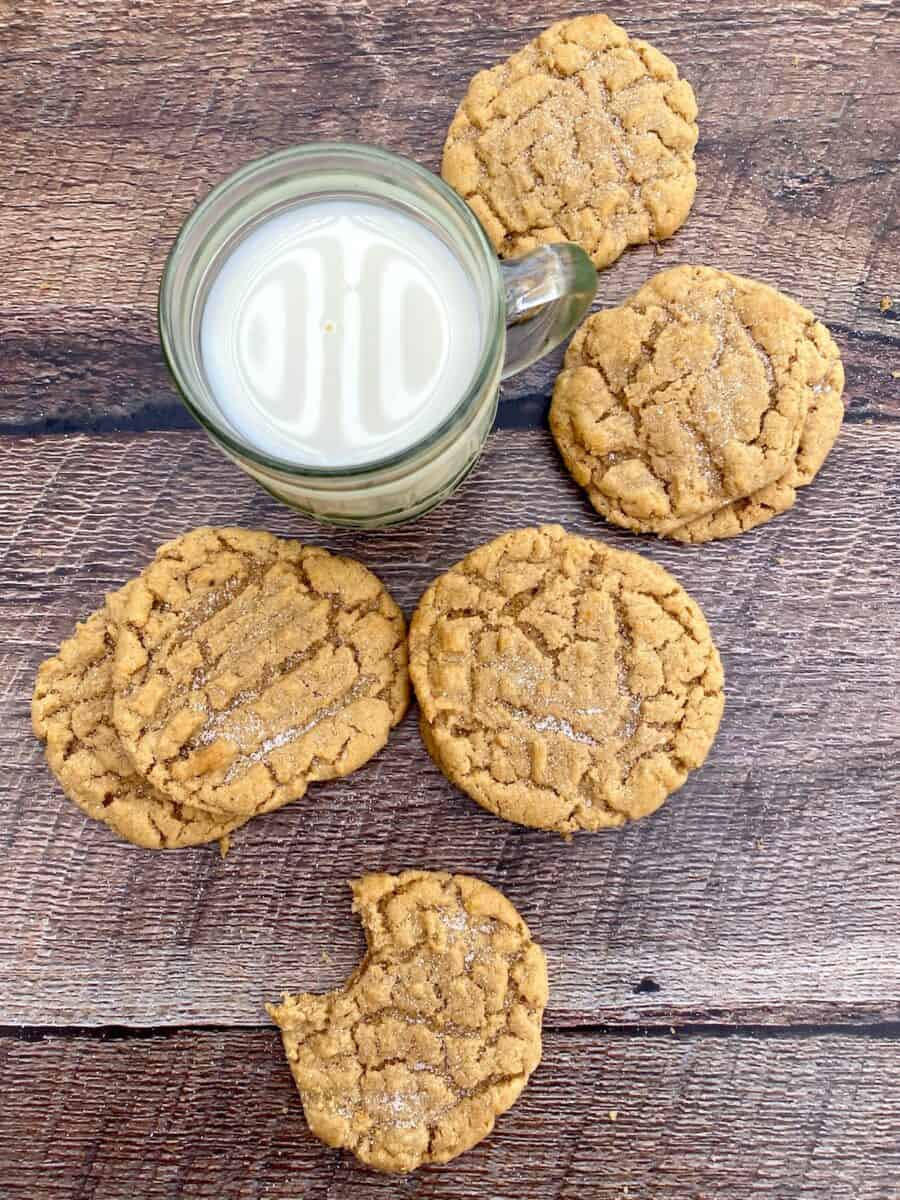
pixel 339 332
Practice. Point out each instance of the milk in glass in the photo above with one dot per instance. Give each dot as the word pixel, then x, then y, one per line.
pixel 340 332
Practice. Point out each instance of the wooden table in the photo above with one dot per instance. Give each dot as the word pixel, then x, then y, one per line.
pixel 725 975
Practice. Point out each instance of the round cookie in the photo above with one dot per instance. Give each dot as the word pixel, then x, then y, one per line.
pixel 436 1032
pixel 71 712
pixel 826 414
pixel 248 666
pixel 563 684
pixel 584 135
pixel 691 394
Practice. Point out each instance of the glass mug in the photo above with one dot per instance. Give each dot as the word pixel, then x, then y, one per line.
pixel 529 305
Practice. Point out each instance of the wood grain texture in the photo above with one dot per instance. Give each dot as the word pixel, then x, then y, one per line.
pixel 117 119
pixel 767 889
pixel 214 1116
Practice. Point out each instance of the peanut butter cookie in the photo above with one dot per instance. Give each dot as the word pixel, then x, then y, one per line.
pixel 692 394
pixel 72 712
pixel 826 414
pixel 564 684
pixel 584 135
pixel 247 666
pixel 436 1032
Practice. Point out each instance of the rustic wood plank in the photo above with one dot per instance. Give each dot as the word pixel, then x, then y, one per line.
pixel 99 371
pixel 201 1116
pixel 767 890
pixel 117 120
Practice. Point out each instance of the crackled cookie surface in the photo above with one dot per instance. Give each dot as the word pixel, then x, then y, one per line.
pixel 692 394
pixel 72 712
pixel 434 1035
pixel 247 666
pixel 823 424
pixel 584 135
pixel 564 684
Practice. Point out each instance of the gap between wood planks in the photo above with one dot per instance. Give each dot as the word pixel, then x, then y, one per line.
pixel 883 1030
pixel 71 402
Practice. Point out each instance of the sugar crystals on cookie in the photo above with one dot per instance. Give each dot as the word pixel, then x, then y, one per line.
pixel 235 670
pixel 248 666
pixel 435 1034
pixel 696 408
pixel 564 684
pixel 584 135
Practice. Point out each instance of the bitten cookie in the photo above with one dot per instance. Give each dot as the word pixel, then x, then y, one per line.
pixel 691 395
pixel 584 135
pixel 247 666
pixel 564 684
pixel 72 712
pixel 433 1036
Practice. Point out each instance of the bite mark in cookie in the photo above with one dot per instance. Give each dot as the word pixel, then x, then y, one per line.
pixel 434 1035
pixel 584 135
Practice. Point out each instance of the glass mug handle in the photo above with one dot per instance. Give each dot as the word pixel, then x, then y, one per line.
pixel 547 293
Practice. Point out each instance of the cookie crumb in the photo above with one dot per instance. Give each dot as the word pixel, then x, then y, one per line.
pixel 759 843
pixel 887 303
pixel 895 374
pixel 796 60
pixel 613 1114
pixel 224 845
pixel 326 957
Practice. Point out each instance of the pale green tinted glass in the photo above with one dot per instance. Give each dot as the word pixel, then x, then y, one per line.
pixel 542 297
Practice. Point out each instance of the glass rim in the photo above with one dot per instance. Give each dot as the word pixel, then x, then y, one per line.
pixel 487 362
